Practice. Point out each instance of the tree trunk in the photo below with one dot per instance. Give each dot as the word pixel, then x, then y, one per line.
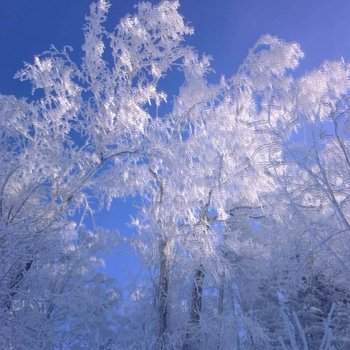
pixel 192 341
pixel 164 276
pixel 220 309
pixel 15 283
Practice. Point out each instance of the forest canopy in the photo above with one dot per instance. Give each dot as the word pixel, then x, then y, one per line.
pixel 242 186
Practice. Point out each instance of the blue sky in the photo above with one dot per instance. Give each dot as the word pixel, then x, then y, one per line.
pixel 224 29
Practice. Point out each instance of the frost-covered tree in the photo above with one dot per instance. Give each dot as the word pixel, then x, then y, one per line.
pixel 87 135
pixel 237 141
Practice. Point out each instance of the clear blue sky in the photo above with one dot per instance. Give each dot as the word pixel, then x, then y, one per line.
pixel 224 29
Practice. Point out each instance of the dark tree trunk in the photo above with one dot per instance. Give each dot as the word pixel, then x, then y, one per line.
pixel 220 309
pixel 197 293
pixel 164 276
pixel 192 341
pixel 15 283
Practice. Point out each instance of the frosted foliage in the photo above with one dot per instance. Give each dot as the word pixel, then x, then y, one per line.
pixel 270 59
pixel 195 92
pixel 149 39
pixel 319 90
pixel 143 47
